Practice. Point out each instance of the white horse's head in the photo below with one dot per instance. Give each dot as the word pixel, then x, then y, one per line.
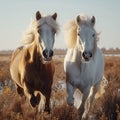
pixel 46 30
pixel 86 36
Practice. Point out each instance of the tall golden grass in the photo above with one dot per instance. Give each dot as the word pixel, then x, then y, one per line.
pixel 107 107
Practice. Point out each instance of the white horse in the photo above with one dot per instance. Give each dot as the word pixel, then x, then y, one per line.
pixel 83 63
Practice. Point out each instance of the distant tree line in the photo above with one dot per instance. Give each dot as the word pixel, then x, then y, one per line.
pixel 59 51
pixel 104 50
pixel 111 50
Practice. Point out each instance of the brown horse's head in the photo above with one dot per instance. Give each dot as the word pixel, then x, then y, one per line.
pixel 46 28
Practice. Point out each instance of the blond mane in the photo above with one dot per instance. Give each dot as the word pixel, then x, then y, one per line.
pixel 71 32
pixel 29 35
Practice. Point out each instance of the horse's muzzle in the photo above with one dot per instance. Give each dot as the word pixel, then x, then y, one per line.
pixel 87 55
pixel 47 54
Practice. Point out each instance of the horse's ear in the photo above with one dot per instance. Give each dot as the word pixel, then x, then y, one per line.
pixel 54 16
pixel 92 20
pixel 78 20
pixel 38 15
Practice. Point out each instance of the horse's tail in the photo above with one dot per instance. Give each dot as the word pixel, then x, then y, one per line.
pixel 41 100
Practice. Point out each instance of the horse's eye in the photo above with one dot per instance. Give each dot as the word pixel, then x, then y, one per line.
pixel 78 34
pixel 54 31
pixel 93 35
pixel 39 31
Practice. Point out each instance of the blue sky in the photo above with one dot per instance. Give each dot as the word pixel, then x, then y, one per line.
pixel 15 16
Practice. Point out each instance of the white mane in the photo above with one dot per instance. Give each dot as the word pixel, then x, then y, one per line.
pixel 71 31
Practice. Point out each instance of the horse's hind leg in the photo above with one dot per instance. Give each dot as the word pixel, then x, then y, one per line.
pixel 20 90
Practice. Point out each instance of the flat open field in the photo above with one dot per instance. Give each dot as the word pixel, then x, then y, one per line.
pixel 13 107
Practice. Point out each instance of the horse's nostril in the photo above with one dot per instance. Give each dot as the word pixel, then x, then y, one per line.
pixel 84 54
pixel 51 53
pixel 45 53
pixel 90 54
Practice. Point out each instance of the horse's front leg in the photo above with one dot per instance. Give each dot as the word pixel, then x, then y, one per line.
pixel 34 100
pixel 81 109
pixel 90 100
pixel 47 95
pixel 41 99
pixel 47 105
pixel 70 91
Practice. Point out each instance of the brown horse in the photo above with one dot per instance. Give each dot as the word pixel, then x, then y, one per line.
pixel 32 67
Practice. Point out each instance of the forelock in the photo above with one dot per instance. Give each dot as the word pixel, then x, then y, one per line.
pixel 46 20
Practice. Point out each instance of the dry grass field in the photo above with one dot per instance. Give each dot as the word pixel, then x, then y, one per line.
pixel 13 107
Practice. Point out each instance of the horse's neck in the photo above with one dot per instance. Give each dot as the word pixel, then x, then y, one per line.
pixel 34 52
pixel 74 54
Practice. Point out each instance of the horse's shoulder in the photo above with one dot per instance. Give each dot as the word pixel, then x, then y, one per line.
pixel 16 52
pixel 98 54
pixel 25 54
pixel 99 51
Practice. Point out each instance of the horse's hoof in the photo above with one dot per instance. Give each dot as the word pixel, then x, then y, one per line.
pixel 20 91
pixel 47 110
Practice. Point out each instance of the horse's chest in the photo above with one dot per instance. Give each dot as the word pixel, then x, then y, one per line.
pixel 80 77
pixel 38 78
pixel 81 81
